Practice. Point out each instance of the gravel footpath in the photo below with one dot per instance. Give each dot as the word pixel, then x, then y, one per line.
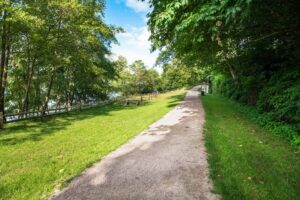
pixel 167 161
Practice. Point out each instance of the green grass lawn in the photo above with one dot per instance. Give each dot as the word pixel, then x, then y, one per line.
pixel 247 162
pixel 37 157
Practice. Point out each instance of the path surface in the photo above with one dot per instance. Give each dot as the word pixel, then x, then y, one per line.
pixel 167 161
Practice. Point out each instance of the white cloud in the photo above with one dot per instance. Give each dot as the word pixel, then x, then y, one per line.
pixel 135 45
pixel 138 6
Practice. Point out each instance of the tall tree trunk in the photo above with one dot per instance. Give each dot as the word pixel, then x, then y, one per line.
pixel 25 105
pixel 227 59
pixel 69 100
pixel 4 60
pixel 53 73
pixel 3 48
pixel 4 80
pixel 58 103
pixel 232 72
pixel 37 101
pixel 31 71
pixel 45 105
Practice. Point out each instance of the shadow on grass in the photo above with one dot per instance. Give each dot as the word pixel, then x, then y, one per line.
pixel 175 100
pixel 36 129
pixel 144 149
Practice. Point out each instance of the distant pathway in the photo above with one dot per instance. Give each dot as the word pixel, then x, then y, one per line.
pixel 167 161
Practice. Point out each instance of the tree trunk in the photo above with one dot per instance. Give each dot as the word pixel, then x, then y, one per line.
pixel 4 61
pixel 57 103
pixel 53 73
pixel 31 71
pixel 70 98
pixel 25 105
pixel 232 72
pixel 230 67
pixel 37 90
pixel 79 101
pixel 4 80
pixel 45 105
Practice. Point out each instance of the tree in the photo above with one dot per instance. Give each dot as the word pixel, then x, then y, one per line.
pixel 177 74
pixel 135 78
pixel 53 51
pixel 253 45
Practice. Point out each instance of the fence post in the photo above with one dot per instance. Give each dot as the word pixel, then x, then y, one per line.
pixel 1 120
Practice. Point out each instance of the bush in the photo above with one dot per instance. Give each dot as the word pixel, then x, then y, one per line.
pixel 280 98
pixel 275 101
pixel 265 120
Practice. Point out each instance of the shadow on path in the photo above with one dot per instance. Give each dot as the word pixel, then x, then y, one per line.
pixel 167 161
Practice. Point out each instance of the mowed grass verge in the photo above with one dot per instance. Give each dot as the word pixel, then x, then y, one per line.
pixel 37 157
pixel 247 162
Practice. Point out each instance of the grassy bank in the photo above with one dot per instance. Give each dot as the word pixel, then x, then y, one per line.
pixel 247 162
pixel 37 157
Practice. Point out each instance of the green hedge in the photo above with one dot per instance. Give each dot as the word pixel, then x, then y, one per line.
pixel 275 103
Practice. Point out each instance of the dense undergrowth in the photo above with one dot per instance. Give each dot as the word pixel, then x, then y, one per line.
pixel 246 161
pixel 281 129
pixel 273 103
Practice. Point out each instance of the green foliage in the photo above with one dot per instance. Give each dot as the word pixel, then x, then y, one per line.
pixel 246 161
pixel 266 120
pixel 135 78
pixel 276 101
pixel 250 46
pixel 179 74
pixel 275 107
pixel 54 51
pixel 280 98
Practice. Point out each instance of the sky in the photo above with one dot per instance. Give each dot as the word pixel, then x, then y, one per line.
pixel 134 42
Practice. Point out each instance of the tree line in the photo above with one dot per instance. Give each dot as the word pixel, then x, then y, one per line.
pixel 137 78
pixel 53 51
pixel 58 53
pixel 250 47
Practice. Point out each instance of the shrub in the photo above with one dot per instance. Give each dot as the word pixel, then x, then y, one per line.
pixel 275 101
pixel 266 120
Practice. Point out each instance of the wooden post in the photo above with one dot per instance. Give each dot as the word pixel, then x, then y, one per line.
pixel 1 120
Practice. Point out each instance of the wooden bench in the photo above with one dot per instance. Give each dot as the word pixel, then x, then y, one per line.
pixel 129 102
